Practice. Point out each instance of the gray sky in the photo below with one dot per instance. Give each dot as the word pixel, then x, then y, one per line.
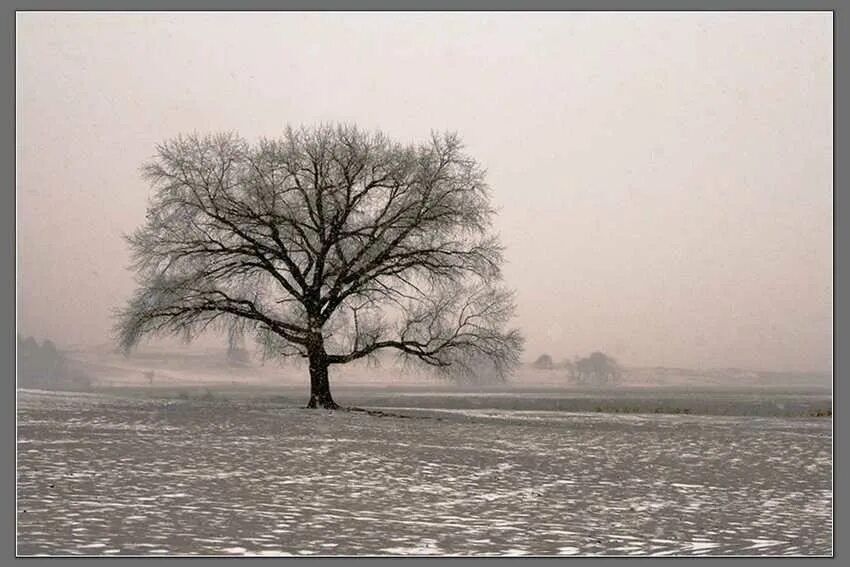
pixel 664 180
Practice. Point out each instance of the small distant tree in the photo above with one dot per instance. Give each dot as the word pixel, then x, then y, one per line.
pixel 544 362
pixel 329 243
pixel 597 369
pixel 42 364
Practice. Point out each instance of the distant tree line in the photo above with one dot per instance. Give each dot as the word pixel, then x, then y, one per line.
pixel 597 369
pixel 45 366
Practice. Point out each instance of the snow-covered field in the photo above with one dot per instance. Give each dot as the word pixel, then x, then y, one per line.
pixel 112 475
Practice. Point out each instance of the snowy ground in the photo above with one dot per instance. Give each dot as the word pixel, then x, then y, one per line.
pixel 112 475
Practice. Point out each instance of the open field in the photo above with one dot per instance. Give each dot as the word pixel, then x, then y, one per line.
pixel 130 474
pixel 774 401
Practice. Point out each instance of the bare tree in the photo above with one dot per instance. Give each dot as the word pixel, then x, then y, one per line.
pixel 329 243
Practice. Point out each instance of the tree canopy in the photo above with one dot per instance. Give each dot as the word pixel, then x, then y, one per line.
pixel 329 243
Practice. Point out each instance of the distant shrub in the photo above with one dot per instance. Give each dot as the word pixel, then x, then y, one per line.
pixel 182 395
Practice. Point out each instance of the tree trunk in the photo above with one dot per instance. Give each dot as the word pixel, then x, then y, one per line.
pixel 320 387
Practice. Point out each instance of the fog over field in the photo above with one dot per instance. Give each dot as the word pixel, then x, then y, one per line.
pixel 202 366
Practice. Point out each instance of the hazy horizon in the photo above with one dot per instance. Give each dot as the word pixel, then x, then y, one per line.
pixel 664 180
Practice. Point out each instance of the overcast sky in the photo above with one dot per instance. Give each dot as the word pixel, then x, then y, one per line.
pixel 664 180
